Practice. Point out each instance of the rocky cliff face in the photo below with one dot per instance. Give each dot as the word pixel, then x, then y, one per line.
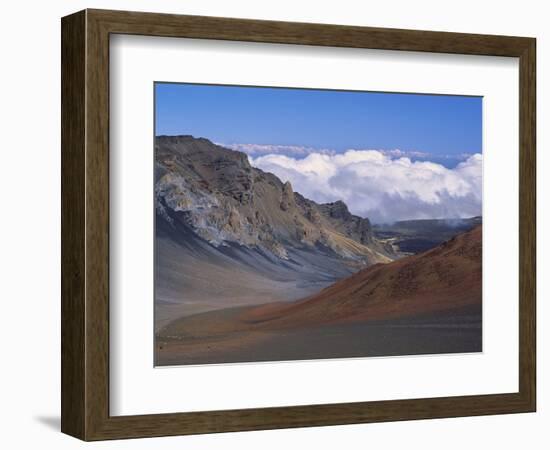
pixel 225 201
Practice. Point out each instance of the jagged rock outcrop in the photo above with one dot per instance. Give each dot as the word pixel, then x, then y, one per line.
pixel 287 200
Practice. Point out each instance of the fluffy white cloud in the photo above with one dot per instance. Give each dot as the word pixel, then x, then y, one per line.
pixel 380 185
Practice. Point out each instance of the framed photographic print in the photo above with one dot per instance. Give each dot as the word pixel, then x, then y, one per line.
pixel 270 224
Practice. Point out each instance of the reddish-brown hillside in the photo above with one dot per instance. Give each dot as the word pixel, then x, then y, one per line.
pixel 445 278
pixel 442 281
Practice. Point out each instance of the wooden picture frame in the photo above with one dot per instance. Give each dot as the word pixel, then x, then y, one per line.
pixel 85 224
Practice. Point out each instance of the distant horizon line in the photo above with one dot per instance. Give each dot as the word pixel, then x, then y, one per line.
pixel 304 150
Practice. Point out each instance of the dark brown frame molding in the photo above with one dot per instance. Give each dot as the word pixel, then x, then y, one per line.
pixel 85 224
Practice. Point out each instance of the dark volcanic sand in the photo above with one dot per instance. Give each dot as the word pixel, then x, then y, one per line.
pixel 385 338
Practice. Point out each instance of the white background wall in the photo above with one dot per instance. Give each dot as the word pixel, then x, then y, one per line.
pixel 30 221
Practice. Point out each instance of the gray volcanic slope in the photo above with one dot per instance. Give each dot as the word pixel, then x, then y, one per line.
pixel 228 234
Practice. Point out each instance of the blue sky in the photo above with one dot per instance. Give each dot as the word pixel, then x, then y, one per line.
pixel 446 127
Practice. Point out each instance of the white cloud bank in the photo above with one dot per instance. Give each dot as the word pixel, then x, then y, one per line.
pixel 383 187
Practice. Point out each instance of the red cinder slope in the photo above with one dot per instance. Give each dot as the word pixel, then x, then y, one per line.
pixel 438 281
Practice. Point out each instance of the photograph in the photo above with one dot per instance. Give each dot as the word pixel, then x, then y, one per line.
pixel 298 224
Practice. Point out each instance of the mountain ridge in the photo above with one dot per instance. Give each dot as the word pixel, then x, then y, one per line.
pixel 226 200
